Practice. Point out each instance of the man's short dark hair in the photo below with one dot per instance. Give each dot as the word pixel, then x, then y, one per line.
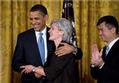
pixel 39 8
pixel 110 20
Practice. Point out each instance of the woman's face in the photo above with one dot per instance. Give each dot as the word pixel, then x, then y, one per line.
pixel 54 32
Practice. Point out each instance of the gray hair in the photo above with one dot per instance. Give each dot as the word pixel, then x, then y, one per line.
pixel 66 26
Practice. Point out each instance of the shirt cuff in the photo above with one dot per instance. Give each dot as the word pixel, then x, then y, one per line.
pixel 75 51
pixel 92 65
pixel 101 66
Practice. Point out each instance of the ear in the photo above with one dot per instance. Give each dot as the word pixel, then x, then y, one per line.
pixel 46 17
pixel 113 30
pixel 61 33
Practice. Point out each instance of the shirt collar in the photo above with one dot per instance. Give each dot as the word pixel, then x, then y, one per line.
pixel 43 31
pixel 112 42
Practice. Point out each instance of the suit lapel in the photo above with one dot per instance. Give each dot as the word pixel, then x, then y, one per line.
pixel 50 46
pixel 104 53
pixel 34 45
pixel 112 52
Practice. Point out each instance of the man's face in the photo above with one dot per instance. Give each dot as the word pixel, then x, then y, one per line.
pixel 37 20
pixel 105 33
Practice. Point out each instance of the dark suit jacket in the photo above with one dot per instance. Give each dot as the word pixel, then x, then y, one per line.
pixel 60 69
pixel 27 53
pixel 109 73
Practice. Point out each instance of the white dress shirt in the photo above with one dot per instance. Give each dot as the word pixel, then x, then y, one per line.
pixel 45 40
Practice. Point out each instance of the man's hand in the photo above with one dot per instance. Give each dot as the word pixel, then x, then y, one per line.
pixel 37 75
pixel 27 68
pixel 65 49
pixel 39 71
pixel 96 58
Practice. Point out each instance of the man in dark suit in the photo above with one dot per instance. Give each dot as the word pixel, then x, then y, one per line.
pixel 105 64
pixel 27 52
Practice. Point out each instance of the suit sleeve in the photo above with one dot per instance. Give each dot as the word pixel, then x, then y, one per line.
pixel 106 72
pixel 57 65
pixel 18 58
pixel 78 54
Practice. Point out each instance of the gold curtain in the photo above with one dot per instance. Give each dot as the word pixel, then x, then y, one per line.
pixel 14 19
pixel 87 13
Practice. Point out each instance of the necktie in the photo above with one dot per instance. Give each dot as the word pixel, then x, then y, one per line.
pixel 41 47
pixel 107 50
